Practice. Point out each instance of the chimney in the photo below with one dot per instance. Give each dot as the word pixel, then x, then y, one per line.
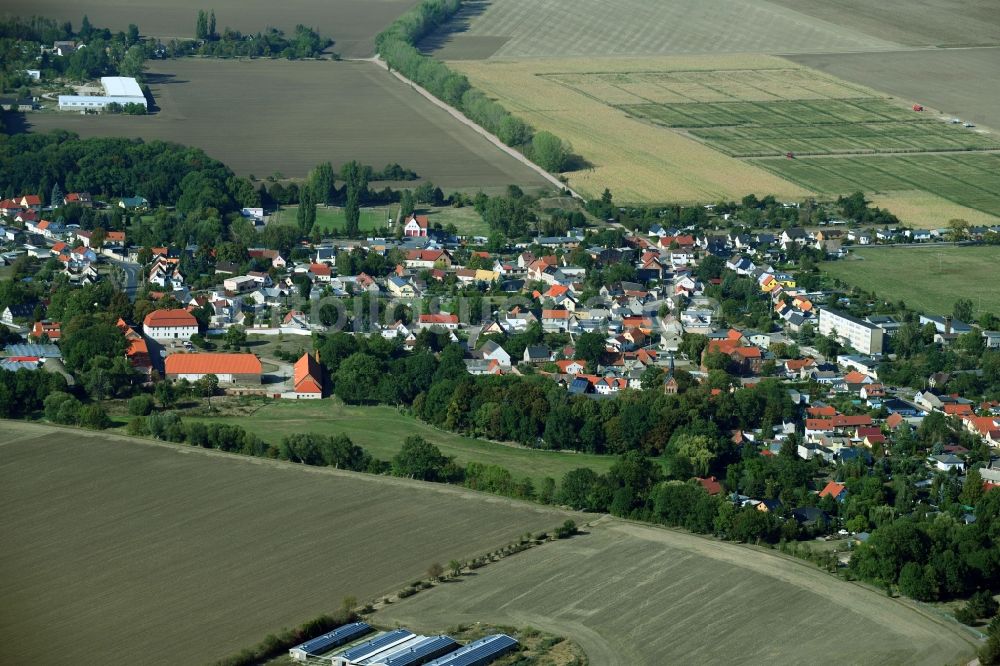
pixel 947 325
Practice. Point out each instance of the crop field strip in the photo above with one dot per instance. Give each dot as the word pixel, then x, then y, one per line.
pixel 969 179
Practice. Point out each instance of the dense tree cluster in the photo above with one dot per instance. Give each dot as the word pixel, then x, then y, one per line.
pixel 163 173
pixel 304 42
pixel 104 54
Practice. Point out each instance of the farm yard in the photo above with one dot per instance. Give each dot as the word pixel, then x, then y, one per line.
pixel 118 551
pixel 928 279
pixel 382 430
pixel 631 594
pixel 352 24
pixel 967 179
pixel 305 113
pixel 638 161
pixel 515 29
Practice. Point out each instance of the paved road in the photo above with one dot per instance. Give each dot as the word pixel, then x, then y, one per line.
pixel 131 276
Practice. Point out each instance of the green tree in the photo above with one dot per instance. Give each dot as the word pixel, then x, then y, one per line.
pixel 549 151
pixel 419 459
pixel 357 378
pixel 963 310
pixel 201 26
pixel 590 347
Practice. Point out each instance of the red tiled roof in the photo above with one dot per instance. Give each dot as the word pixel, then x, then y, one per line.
pixel 438 319
pixel 555 314
pixel 308 375
pixel 711 485
pixel 219 364
pixel 320 269
pixel 855 377
pixel 168 318
pixel 833 489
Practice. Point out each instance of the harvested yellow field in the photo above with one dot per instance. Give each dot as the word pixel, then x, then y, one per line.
pixel 637 161
pixel 923 210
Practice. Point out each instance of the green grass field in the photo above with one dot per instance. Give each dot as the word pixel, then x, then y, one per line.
pixel 853 138
pixel 928 279
pixel 382 430
pixel 812 127
pixel 330 218
pixel 969 179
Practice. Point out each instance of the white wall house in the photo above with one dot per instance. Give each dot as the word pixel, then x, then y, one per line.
pixel 170 325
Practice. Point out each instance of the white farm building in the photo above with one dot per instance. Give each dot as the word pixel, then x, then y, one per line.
pixel 121 89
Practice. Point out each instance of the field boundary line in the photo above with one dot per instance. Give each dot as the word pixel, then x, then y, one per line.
pixel 462 118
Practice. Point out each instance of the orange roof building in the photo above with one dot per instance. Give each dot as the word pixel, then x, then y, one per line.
pixel 308 378
pixel 835 490
pixel 229 368
pixel 170 325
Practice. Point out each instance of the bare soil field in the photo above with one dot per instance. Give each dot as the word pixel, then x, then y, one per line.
pixel 263 116
pixel 512 29
pixel 958 82
pixel 636 595
pixel 123 551
pixel 910 22
pixel 639 162
pixel 352 24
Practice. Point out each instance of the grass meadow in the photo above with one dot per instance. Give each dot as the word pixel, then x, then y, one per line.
pixel 644 596
pixel 123 551
pixel 381 430
pixel 928 279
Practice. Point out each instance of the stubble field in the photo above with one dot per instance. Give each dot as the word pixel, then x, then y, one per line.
pixel 121 551
pixel 928 279
pixel 923 210
pixel 263 116
pixel 637 595
pixel 352 24
pixel 639 162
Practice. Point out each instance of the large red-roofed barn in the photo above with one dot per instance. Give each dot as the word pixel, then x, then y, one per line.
pixel 229 368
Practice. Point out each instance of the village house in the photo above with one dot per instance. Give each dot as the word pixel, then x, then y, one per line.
pixel 170 325
pixel 416 226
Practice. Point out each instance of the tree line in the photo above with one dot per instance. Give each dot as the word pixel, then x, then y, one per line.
pixel 397 45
